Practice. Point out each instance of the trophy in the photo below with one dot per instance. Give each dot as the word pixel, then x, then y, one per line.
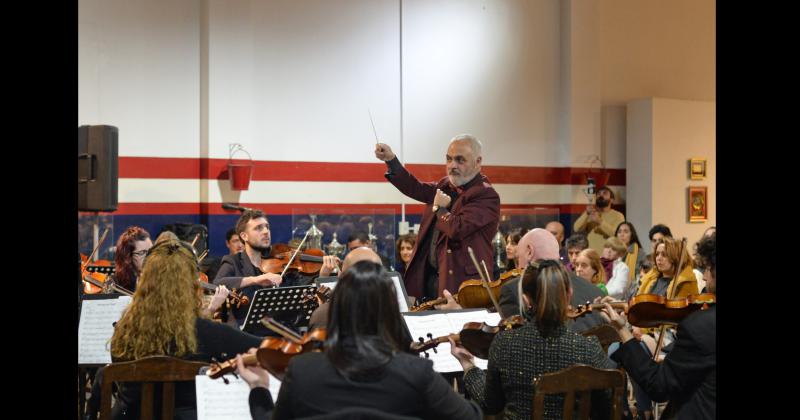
pixel 499 244
pixel 373 240
pixel 334 248
pixel 314 235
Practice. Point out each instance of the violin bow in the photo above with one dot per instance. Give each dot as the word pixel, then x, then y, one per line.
pixel 94 251
pixel 296 251
pixel 281 329
pixel 484 280
pixel 663 328
pixel 196 237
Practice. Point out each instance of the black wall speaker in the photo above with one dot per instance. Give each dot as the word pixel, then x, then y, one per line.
pixel 98 167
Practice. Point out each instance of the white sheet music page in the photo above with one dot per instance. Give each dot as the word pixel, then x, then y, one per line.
pixel 460 318
pixel 440 324
pixel 96 328
pixel 219 401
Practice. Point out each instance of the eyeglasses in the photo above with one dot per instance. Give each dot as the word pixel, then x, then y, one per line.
pixel 141 253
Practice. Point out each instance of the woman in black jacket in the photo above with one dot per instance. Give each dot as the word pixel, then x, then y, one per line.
pixel 687 376
pixel 543 345
pixel 365 364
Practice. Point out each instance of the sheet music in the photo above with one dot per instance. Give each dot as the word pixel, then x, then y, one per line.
pixel 96 328
pixel 219 401
pixel 401 298
pixel 440 324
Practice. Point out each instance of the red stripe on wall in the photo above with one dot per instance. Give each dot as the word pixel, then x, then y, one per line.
pixel 189 168
pixel 290 208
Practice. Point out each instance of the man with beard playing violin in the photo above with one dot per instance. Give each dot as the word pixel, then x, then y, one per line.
pixel 242 270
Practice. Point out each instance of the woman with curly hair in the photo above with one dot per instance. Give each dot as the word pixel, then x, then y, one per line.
pixel 166 317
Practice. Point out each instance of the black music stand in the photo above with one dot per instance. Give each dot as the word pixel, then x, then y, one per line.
pixel 285 304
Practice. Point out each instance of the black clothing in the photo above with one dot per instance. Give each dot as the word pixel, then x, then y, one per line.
pixel 238 266
pixel 213 340
pixel 582 291
pixel 408 386
pixel 518 356
pixel 687 377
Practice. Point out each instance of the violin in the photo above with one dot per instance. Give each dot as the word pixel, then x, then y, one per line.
pixel 274 353
pixel 472 293
pixel 476 337
pixel 646 311
pixel 234 298
pixel 95 286
pixel 280 259
pixel 590 307
pixel 649 311
pixel 321 295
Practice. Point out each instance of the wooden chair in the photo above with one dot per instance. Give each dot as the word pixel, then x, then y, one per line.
pixel 605 333
pixel 148 370
pixel 581 379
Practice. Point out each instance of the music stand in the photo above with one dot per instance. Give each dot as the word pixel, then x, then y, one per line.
pixel 285 304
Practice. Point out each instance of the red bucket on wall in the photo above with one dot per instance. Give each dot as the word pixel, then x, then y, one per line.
pixel 239 174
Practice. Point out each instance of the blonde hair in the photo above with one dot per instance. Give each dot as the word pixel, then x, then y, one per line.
pixel 161 318
pixel 594 262
pixel 616 244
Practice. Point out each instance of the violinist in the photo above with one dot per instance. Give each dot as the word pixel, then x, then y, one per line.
pixel 132 246
pixel 165 318
pixel 542 345
pixel 366 368
pixel 687 375
pixel 541 244
pixel 319 318
pixel 242 271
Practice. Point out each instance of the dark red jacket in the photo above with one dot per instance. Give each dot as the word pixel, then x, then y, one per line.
pixel 471 221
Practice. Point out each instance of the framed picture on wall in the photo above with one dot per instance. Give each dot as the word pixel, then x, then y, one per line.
pixel 697 168
pixel 698 204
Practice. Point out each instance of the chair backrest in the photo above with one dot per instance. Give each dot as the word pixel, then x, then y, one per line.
pixel 605 333
pixel 580 379
pixel 148 370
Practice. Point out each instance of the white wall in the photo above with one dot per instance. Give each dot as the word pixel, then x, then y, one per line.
pixel 138 70
pixel 639 171
pixel 486 68
pixel 540 82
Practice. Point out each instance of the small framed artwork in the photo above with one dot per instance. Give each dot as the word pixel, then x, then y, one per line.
pixel 698 204
pixel 697 168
